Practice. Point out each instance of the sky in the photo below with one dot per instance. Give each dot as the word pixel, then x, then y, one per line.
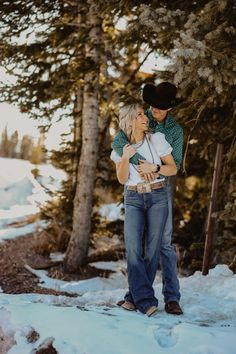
pixel 15 120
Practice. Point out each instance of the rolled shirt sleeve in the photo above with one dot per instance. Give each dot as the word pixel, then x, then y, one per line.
pixel 115 157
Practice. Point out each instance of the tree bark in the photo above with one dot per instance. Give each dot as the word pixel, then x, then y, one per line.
pixel 77 133
pixel 77 250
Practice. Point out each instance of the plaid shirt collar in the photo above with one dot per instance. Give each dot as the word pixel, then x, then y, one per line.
pixel 167 123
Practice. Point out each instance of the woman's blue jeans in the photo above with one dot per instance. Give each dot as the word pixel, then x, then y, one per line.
pixel 144 211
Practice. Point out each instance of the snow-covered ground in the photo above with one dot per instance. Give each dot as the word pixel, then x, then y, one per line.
pixel 21 194
pixel 91 323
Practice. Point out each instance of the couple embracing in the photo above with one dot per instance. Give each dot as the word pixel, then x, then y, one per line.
pixel 147 152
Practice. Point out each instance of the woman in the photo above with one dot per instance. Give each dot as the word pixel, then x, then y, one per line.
pixel 146 205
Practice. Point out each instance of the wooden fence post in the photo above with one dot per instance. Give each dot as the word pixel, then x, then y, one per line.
pixel 210 224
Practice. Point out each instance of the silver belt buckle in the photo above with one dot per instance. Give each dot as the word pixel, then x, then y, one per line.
pixel 144 187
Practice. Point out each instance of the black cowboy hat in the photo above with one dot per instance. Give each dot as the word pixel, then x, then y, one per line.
pixel 162 96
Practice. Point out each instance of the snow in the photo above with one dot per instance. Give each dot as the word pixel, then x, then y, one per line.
pixel 91 323
pixel 115 266
pixel 57 256
pixel 12 232
pixel 16 213
pixel 18 186
pixel 21 194
pixel 117 280
pixel 112 211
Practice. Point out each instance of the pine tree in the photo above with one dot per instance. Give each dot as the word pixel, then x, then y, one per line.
pixel 202 53
pixel 50 70
pixel 14 145
pixel 60 70
pixel 4 145
pixel 26 147
pixel 79 242
pixel 38 151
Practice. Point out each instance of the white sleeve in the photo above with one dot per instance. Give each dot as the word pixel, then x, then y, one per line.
pixel 162 147
pixel 115 157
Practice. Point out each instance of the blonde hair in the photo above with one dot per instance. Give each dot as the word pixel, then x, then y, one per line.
pixel 126 116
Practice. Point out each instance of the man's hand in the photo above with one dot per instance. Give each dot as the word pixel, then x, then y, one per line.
pixel 128 151
pixel 146 167
pixel 149 176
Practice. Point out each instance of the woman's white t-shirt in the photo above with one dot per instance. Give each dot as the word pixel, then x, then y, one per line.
pixel 159 148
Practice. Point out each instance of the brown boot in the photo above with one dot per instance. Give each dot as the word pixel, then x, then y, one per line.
pixel 173 308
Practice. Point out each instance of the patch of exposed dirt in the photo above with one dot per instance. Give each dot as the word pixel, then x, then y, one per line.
pixel 16 279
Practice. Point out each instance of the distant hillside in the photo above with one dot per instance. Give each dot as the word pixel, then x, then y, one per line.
pixel 18 185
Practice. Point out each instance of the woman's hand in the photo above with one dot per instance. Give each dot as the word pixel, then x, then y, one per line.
pixel 122 167
pixel 128 151
pixel 146 167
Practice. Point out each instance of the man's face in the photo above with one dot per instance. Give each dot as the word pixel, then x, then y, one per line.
pixel 159 114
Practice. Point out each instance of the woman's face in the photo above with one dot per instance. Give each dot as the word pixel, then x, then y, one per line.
pixel 140 123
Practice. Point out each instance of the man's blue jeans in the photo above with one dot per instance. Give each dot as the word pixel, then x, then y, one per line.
pixel 149 211
pixel 168 262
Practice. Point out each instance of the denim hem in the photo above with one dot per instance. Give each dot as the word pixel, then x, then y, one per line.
pixel 172 299
pixel 144 309
pixel 129 300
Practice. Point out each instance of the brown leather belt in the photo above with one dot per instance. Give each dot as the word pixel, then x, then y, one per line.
pixel 146 187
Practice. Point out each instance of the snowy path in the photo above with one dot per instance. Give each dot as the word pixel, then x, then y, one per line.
pixel 102 330
pixel 90 324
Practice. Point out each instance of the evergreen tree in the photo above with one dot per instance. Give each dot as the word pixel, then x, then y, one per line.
pixel 50 72
pixel 26 148
pixel 13 145
pixel 9 145
pixel 79 242
pixel 4 144
pixel 202 54
pixel 60 70
pixel 38 151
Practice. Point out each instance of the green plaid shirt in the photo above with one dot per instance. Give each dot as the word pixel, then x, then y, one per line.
pixel 173 134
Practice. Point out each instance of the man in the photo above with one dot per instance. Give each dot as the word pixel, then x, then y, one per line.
pixel 162 98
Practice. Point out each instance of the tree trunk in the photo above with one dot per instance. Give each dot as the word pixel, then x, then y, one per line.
pixel 78 111
pixel 77 250
pixel 77 134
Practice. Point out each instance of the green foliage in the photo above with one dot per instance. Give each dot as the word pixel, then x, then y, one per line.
pixel 200 42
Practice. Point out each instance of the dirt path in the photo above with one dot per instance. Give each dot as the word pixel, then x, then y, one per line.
pixel 16 279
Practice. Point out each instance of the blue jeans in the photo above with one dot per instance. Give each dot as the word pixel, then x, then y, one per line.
pixel 149 211
pixel 168 262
